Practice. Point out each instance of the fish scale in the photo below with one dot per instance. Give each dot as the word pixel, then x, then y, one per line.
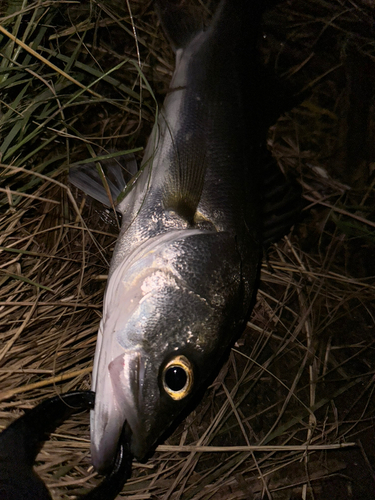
pixel 185 266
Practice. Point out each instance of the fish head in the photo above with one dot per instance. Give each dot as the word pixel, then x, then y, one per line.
pixel 146 397
pixel 169 315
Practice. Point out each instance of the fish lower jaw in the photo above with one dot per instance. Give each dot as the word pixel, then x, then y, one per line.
pixel 103 454
pixel 105 435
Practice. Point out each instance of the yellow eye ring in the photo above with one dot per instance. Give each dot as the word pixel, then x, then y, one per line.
pixel 178 377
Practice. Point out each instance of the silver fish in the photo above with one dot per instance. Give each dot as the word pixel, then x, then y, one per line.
pixel 186 262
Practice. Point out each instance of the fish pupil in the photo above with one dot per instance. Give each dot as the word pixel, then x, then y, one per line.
pixel 175 378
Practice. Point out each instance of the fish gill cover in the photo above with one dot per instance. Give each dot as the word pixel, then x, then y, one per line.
pixel 81 80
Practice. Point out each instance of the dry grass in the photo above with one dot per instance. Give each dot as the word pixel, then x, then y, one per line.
pixel 298 385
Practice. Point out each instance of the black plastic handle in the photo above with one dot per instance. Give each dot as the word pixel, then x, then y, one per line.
pixel 21 442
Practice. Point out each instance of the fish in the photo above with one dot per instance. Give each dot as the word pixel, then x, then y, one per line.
pixel 22 440
pixel 185 268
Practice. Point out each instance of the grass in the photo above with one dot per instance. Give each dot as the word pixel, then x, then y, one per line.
pixel 281 419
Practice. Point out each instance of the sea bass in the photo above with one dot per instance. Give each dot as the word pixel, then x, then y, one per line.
pixel 185 266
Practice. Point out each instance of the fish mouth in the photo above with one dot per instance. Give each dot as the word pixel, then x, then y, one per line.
pixel 119 401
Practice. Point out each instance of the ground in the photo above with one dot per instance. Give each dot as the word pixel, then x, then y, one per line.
pixel 296 395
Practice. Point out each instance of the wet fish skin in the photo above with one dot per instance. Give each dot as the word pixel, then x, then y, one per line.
pixel 185 265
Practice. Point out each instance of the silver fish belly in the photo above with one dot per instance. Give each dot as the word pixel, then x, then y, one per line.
pixel 186 262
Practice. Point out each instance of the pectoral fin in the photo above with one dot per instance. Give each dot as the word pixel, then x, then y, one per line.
pixel 107 181
pixel 184 184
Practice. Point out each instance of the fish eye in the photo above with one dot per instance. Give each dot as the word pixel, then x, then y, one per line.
pixel 178 377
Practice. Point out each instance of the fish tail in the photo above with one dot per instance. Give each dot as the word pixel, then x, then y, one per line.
pixel 232 18
pixel 180 23
pixel 240 21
